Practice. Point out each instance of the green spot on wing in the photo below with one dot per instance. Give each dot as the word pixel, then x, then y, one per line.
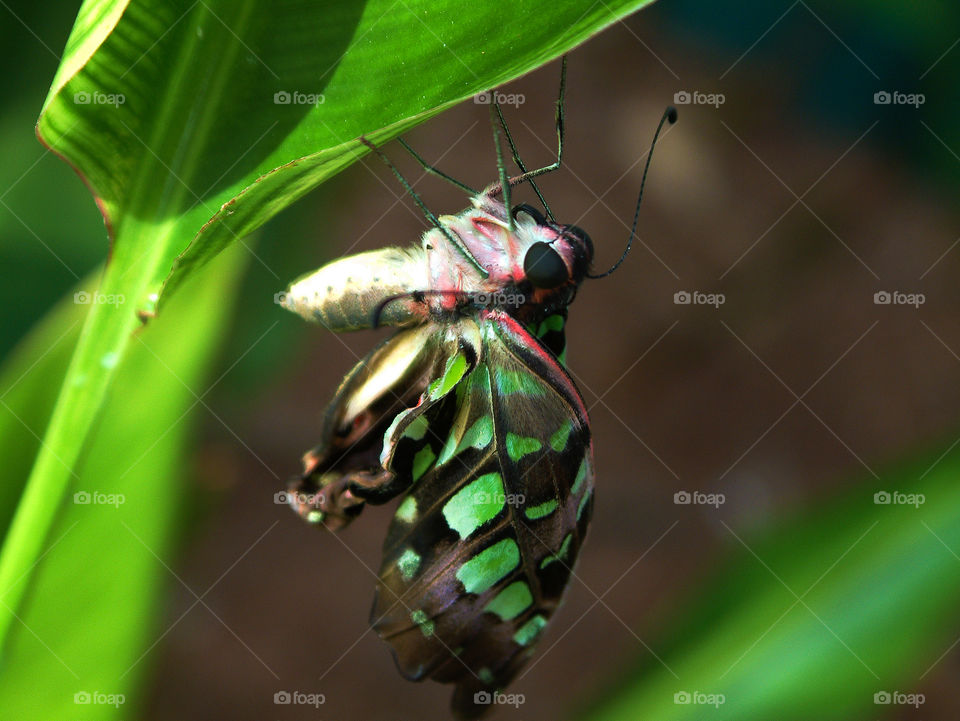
pixel 417 428
pixel 408 564
pixel 583 504
pixel 477 436
pixel 489 566
pixel 475 504
pixel 407 511
pixel 454 371
pixel 511 381
pixel 560 555
pixel 544 509
pixel 511 601
pixel 485 675
pixel 558 441
pixel 422 461
pixel 520 446
pixel 581 477
pixel 554 322
pixel 480 378
pixel 420 618
pixel 530 630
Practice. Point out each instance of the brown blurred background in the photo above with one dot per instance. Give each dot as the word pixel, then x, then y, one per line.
pixel 798 199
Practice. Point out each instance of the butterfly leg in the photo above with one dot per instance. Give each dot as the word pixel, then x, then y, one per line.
pixel 529 176
pixel 436 171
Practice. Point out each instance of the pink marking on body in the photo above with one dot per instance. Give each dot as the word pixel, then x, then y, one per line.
pixel 501 246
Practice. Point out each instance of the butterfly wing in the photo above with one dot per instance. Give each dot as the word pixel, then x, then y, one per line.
pixel 550 332
pixel 343 472
pixel 480 549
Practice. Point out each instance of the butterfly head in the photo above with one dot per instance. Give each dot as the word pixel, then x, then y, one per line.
pixel 560 255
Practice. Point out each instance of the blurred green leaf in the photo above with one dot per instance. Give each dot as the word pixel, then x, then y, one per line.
pixel 199 121
pixel 29 383
pixel 814 618
pixel 93 607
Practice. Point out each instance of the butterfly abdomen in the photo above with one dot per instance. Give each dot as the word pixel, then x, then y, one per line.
pixel 345 294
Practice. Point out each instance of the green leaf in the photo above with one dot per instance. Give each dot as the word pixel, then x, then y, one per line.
pixel 185 95
pixel 170 112
pixel 108 555
pixel 814 618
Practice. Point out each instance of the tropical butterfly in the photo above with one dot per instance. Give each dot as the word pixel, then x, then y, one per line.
pixel 467 414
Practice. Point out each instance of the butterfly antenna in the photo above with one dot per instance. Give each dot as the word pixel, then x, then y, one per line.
pixel 670 114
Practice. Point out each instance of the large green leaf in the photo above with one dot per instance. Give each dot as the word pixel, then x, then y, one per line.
pixel 815 618
pixel 93 607
pixel 170 112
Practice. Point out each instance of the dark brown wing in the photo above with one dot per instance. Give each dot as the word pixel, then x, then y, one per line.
pixel 481 547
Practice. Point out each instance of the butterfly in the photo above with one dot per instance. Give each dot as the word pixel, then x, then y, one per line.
pixel 467 415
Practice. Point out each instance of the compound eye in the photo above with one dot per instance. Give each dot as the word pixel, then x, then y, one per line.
pixel 529 210
pixel 544 267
